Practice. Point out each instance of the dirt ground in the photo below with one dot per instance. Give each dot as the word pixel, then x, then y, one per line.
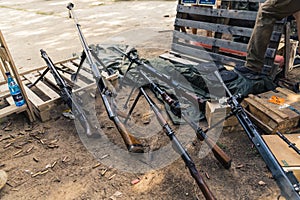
pixel 51 160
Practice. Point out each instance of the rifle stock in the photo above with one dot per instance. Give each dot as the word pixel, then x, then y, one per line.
pixel 133 144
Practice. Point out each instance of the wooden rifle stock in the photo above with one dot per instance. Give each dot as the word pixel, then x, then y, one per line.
pixel 133 145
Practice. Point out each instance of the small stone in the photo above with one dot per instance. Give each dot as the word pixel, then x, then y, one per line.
pixel 261 183
pixel 3 179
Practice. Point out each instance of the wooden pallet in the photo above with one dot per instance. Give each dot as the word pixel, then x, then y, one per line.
pixel 271 117
pixel 207 34
pixel 45 95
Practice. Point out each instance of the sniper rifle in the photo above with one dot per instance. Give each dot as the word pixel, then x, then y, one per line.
pixel 133 145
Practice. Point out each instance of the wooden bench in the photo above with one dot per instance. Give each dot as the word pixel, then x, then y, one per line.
pixel 226 24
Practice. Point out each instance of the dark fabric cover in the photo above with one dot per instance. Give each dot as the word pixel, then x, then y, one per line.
pixel 198 79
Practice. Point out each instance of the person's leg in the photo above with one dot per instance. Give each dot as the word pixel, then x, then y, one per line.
pixel 297 18
pixel 269 12
pixel 297 56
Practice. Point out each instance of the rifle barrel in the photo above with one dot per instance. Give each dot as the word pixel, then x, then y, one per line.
pixel 179 148
pixel 290 144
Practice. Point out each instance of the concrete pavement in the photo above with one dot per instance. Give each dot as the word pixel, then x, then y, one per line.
pixel 36 24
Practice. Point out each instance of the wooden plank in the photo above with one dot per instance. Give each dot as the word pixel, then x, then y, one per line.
pixel 12 108
pixel 286 156
pixel 13 69
pixel 43 87
pixel 230 45
pixel 221 28
pixel 82 72
pixel 49 78
pixel 227 13
pixel 263 114
pixel 291 97
pixel 34 99
pixel 267 129
pixel 172 57
pixel 205 55
pixel 79 83
pixel 277 108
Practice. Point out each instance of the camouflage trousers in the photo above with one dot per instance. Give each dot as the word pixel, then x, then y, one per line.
pixel 268 13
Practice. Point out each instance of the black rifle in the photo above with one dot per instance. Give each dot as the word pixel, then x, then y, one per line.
pixel 133 145
pixel 290 144
pixel 175 144
pixel 175 108
pixel 66 94
pixel 287 182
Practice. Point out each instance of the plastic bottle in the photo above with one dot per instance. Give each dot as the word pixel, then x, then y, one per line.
pixel 15 90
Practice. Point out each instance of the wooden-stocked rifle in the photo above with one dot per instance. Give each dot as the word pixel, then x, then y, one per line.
pixel 175 143
pixel 133 145
pixel 176 109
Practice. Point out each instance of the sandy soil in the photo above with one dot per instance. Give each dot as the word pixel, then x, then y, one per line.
pixel 51 160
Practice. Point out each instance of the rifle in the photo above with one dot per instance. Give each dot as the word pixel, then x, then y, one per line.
pixel 175 144
pixel 175 107
pixel 165 78
pixel 66 94
pixel 133 145
pixel 287 182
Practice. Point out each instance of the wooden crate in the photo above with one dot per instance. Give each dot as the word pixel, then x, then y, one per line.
pixel 214 112
pixel 45 95
pixel 286 157
pixel 271 117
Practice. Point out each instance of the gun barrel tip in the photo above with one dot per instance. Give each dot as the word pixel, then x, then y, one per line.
pixel 70 6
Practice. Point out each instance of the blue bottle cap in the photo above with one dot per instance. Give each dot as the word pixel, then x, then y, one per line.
pixel 7 73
